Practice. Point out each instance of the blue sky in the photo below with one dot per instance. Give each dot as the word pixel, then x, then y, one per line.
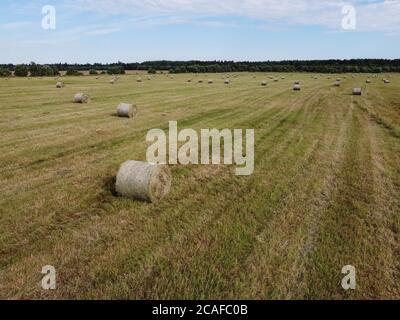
pixel 141 30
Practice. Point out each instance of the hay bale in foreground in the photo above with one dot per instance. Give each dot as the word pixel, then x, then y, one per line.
pixel 297 87
pixel 81 98
pixel 143 181
pixel 60 84
pixel 357 92
pixel 126 110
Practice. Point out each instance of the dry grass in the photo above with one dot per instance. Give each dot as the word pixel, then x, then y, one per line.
pixel 324 194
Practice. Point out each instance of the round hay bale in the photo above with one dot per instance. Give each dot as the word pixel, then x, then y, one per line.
pixel 337 84
pixel 210 82
pixel 126 110
pixel 297 82
pixel 81 98
pixel 60 84
pixel 297 87
pixel 227 81
pixel 368 81
pixel 143 181
pixel 189 80
pixel 200 81
pixel 357 92
pixel 264 83
pixel 139 80
pixel 386 81
pixel 112 81
pixel 276 80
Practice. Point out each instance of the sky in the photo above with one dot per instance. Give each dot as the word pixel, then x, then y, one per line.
pixel 105 31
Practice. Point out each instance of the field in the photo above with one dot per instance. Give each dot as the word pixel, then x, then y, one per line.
pixel 325 192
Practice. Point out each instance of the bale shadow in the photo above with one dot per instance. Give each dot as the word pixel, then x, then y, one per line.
pixel 109 186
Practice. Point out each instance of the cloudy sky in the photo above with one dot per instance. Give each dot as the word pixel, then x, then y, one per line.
pixel 141 30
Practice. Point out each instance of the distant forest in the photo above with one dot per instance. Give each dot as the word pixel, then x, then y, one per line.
pixel 317 66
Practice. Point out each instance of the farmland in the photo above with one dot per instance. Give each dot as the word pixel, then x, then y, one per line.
pixel 325 191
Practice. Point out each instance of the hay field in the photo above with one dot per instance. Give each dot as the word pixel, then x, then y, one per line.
pixel 325 192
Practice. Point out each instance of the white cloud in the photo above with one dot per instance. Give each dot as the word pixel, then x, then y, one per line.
pixel 99 32
pixel 15 25
pixel 372 15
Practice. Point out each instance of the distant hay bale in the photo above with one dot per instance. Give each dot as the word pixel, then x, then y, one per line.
pixel 337 84
pixel 60 84
pixel 189 80
pixel 143 181
pixel 283 78
pixel 357 92
pixel 210 81
pixel 126 110
pixel 200 81
pixel 338 79
pixel 81 98
pixel 297 87
pixel 227 81
pixel 264 83
pixel 386 81
pixel 276 80
pixel 368 81
pixel 112 81
pixel 139 80
pixel 297 82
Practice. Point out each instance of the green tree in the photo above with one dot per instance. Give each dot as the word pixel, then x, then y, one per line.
pixel 115 70
pixel 73 72
pixel 21 70
pixel 5 72
pixel 93 72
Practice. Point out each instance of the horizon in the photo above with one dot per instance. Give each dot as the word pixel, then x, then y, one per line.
pixel 88 31
pixel 202 61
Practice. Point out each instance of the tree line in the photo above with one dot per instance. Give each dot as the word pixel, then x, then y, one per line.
pixel 316 66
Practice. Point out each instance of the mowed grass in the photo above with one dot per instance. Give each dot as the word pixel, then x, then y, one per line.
pixel 325 192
